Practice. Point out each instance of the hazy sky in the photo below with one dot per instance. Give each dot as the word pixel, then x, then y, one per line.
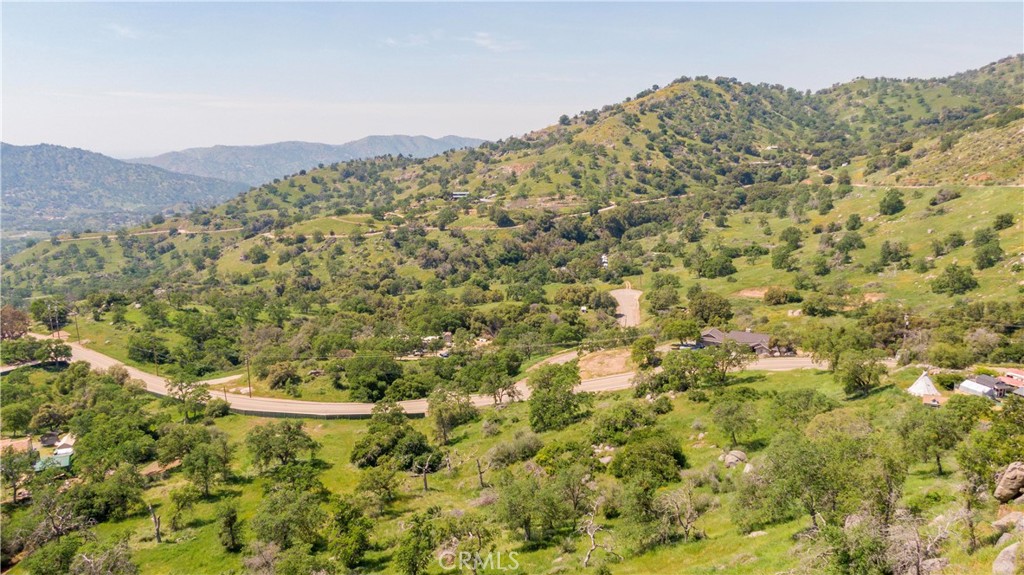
pixel 141 79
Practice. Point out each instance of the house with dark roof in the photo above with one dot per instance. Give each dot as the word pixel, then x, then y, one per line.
pixel 760 343
pixel 985 385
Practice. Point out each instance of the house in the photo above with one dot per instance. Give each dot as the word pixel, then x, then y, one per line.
pixel 968 387
pixel 760 343
pixel 1019 391
pixel 1015 374
pixel 49 439
pixel 998 387
pixel 66 445
pixel 62 461
pixel 459 195
pixel 1013 378
pixel 923 386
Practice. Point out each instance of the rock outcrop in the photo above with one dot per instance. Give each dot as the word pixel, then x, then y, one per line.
pixel 1011 482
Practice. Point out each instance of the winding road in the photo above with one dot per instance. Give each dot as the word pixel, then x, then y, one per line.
pixel 273 407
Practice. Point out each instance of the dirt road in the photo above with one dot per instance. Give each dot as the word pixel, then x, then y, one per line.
pixel 271 407
pixel 628 299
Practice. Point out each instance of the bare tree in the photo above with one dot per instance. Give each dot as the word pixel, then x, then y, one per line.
pixel 156 522
pixel 590 527
pixel 422 469
pixel 908 546
pixel 684 506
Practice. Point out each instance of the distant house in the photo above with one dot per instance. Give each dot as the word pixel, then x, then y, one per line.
pixel 923 386
pixel 66 445
pixel 49 439
pixel 459 195
pixel 998 387
pixel 968 387
pixel 1019 391
pixel 62 461
pixel 1013 378
pixel 760 343
pixel 1015 374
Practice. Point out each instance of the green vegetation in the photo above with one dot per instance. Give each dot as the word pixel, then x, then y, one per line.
pixel 731 206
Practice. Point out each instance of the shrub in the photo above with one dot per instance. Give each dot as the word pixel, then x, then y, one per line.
pixel 217 408
pixel 525 445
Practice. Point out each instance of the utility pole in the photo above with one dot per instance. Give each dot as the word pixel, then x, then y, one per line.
pixel 78 332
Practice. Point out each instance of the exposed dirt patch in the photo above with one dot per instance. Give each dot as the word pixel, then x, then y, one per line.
pixel 873 296
pixel 628 312
pixel 517 169
pixel 602 363
pixel 756 292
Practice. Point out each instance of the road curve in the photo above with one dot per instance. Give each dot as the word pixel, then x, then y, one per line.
pixel 273 407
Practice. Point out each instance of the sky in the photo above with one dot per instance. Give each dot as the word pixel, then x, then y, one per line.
pixel 137 79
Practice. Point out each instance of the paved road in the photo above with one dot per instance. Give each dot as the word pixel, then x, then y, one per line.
pixel 628 298
pixel 273 407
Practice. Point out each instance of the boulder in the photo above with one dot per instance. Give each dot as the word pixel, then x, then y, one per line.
pixel 1011 482
pixel 734 457
pixel 1006 561
pixel 935 565
pixel 1009 522
pixel 748 468
pixel 1004 539
pixel 606 459
pixel 757 534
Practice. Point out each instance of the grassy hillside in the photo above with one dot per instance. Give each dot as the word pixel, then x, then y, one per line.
pixel 194 548
pixel 56 189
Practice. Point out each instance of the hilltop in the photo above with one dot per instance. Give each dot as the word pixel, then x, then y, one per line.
pixel 260 164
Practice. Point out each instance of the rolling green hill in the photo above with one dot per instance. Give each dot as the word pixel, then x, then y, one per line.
pixel 259 164
pixel 836 222
pixel 57 189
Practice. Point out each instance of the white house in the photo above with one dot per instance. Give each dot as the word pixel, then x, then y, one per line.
pixel 65 446
pixel 969 387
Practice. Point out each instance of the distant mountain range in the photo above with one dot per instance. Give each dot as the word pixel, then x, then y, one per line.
pixel 53 188
pixel 49 188
pixel 260 164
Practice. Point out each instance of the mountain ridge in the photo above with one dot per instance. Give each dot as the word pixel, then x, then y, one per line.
pixel 55 188
pixel 261 163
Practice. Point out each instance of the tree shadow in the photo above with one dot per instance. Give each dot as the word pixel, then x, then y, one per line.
pixel 747 378
pixel 320 464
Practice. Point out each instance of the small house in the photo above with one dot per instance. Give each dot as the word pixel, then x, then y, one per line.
pixel 923 386
pixel 999 388
pixel 968 387
pixel 62 461
pixel 760 343
pixel 1019 391
pixel 1016 375
pixel 66 445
